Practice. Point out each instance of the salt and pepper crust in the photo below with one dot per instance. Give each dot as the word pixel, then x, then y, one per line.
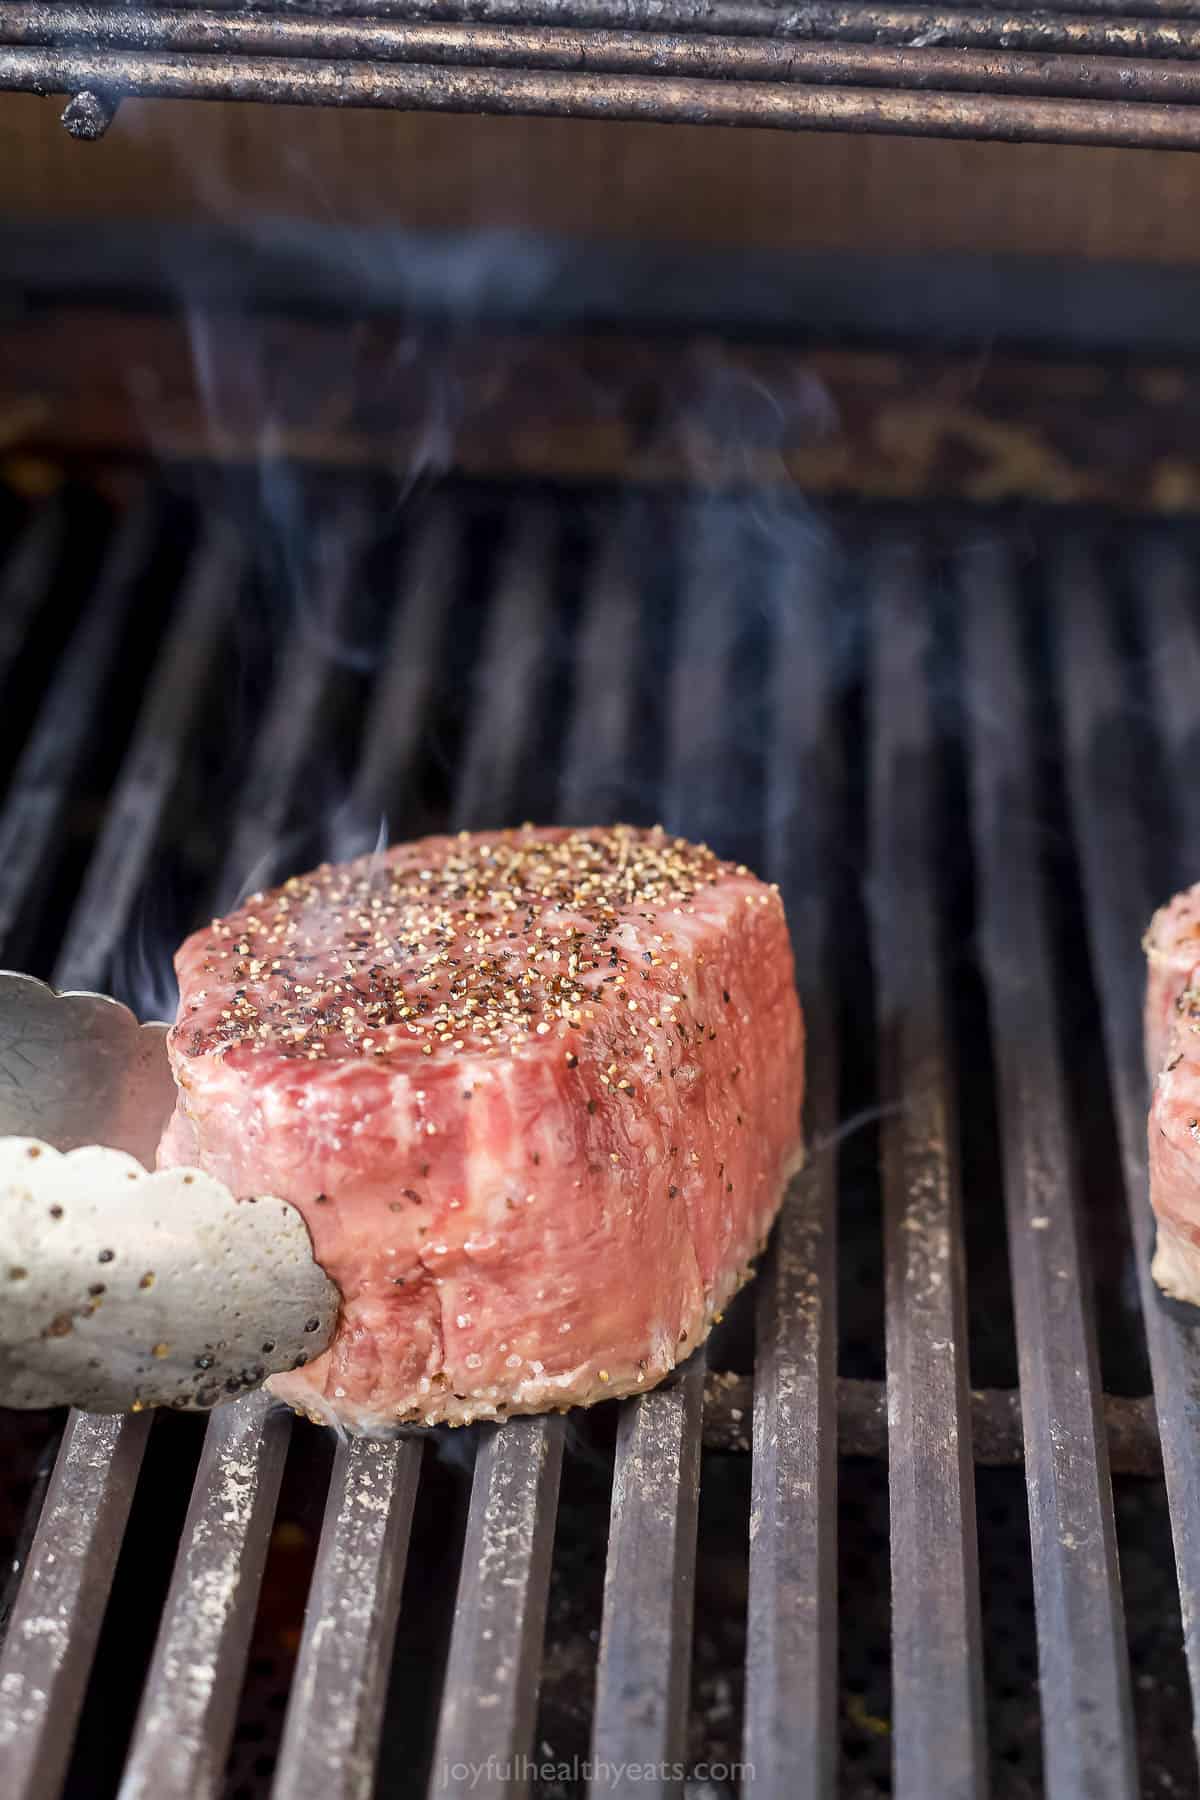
pixel 393 955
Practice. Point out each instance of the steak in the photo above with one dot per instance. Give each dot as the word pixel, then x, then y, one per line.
pixel 1172 946
pixel 1172 1036
pixel 536 1093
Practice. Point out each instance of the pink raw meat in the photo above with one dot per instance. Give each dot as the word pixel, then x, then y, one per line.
pixel 1172 946
pixel 1172 1034
pixel 537 1094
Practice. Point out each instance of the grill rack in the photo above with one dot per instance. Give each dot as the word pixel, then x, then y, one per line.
pixel 1096 72
pixel 526 660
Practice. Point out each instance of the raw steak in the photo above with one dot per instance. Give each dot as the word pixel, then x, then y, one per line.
pixel 1172 946
pixel 1172 1032
pixel 537 1094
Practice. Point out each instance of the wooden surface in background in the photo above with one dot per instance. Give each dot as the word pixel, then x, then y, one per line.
pixel 678 183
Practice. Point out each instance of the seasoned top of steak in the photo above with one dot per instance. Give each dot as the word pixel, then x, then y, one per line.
pixel 453 945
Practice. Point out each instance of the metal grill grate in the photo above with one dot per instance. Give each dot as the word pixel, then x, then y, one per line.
pixel 936 733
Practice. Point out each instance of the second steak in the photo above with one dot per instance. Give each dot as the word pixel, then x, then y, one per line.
pixel 1172 1038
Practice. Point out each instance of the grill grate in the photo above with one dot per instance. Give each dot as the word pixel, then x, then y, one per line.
pixel 1084 1669
pixel 820 698
pixel 937 1668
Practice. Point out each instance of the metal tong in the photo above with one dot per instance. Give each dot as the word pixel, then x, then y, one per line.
pixel 123 1288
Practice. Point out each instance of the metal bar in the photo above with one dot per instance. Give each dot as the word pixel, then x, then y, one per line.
pixel 492 1673
pixel 188 1710
pixel 282 742
pixel 702 794
pixel 596 758
pixel 1147 69
pixel 25 580
pixel 489 1696
pixel 23 1540
pixel 790 1732
pixel 492 1679
pixel 57 744
pixel 335 1710
pixel 551 94
pixel 73 1555
pixel 185 1725
pixel 510 1532
pixel 56 1620
pixel 646 1630
pixel 997 1440
pixel 742 18
pixel 400 701
pixel 1086 1710
pixel 936 1648
pixel 66 719
pixel 150 770
pixel 1166 577
pixel 290 724
pixel 507 676
pixel 1109 826
pixel 641 1702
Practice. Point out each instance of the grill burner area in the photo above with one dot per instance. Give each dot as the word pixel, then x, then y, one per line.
pixel 962 741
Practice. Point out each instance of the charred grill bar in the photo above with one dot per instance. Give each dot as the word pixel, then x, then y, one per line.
pixel 936 1656
pixel 1100 73
pixel 1084 1668
pixel 553 667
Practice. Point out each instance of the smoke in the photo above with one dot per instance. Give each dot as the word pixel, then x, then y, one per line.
pixel 142 977
pixel 351 834
pixel 236 887
pixel 733 428
pixel 388 378
pixel 755 595
pixel 407 372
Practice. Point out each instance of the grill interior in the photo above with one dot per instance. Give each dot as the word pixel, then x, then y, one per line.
pixel 962 741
